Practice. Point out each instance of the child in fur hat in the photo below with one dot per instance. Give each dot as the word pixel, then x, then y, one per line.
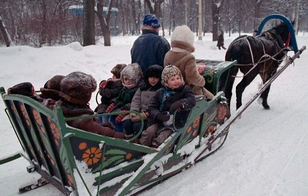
pixel 141 100
pixel 182 45
pixel 75 93
pixel 132 79
pixel 173 96
pixel 26 89
pixel 109 90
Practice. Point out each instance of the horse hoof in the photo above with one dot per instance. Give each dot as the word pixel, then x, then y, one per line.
pixel 266 107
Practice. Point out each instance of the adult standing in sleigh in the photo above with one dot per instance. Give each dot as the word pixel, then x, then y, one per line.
pixel 149 48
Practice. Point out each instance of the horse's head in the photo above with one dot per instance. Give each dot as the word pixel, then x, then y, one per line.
pixel 283 31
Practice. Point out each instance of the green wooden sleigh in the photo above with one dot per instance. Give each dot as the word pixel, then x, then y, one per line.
pixel 83 163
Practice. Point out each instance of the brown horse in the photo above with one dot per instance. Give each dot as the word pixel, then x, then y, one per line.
pixel 255 55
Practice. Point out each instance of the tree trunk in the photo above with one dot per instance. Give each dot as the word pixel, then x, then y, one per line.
pixel 5 34
pixel 215 14
pixel 104 21
pixel 88 23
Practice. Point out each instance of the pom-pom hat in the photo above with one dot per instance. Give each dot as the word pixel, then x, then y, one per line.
pixel 151 20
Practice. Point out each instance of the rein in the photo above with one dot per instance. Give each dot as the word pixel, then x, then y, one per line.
pixel 266 56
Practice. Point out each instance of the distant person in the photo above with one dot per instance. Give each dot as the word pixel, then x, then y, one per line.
pixel 149 48
pixel 180 55
pixel 255 32
pixel 173 96
pixel 220 41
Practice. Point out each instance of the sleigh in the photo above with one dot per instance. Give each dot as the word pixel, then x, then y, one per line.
pixel 84 163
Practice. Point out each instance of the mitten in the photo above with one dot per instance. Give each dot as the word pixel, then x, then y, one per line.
pixel 102 84
pixel 108 124
pixel 119 118
pixel 163 117
pixel 176 106
pixel 110 107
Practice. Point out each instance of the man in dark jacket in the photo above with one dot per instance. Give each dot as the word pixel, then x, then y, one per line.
pixel 149 48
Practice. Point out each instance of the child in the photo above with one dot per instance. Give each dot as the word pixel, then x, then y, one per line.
pixel 131 78
pixel 141 100
pixel 173 96
pixel 109 90
pixel 75 94
pixel 182 43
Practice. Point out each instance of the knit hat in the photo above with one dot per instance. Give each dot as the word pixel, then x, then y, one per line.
pixel 24 88
pixel 116 70
pixel 133 72
pixel 77 88
pixel 151 20
pixel 168 71
pixel 52 88
pixel 183 34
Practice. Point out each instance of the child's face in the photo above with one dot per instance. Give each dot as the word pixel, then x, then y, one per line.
pixel 175 81
pixel 127 81
pixel 153 81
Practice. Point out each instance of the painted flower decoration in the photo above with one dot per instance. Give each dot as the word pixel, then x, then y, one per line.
pixel 92 155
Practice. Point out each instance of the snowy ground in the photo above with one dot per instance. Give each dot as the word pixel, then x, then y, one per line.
pixel 264 154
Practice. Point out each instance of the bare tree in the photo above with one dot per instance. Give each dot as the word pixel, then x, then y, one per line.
pixel 104 20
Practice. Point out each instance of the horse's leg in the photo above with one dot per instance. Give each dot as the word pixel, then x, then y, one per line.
pixel 264 95
pixel 247 79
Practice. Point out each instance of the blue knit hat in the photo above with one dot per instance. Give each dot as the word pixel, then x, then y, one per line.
pixel 151 20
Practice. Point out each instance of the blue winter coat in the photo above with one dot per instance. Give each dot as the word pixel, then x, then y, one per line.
pixel 149 49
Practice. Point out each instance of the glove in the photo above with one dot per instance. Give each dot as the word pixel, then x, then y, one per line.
pixel 176 106
pixel 120 117
pixel 125 107
pixel 110 107
pixel 163 117
pixel 108 124
pixel 136 118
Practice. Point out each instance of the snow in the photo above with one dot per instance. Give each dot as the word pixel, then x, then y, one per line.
pixel 265 152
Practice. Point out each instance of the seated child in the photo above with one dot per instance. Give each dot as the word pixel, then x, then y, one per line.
pixel 131 78
pixel 75 94
pixel 50 91
pixel 109 90
pixel 24 88
pixel 141 100
pixel 173 96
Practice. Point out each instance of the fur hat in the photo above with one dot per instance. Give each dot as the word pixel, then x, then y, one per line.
pixel 153 71
pixel 168 71
pixel 77 88
pixel 183 34
pixel 151 20
pixel 52 88
pixel 116 70
pixel 24 88
pixel 133 72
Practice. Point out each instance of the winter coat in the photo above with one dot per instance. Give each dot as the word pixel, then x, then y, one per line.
pixel 164 98
pixel 220 41
pixel 149 49
pixel 125 96
pixel 108 93
pixel 87 124
pixel 181 57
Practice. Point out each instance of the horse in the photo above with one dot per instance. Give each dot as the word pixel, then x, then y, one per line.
pixel 261 54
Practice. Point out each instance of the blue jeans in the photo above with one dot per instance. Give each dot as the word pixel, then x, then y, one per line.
pixel 118 126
